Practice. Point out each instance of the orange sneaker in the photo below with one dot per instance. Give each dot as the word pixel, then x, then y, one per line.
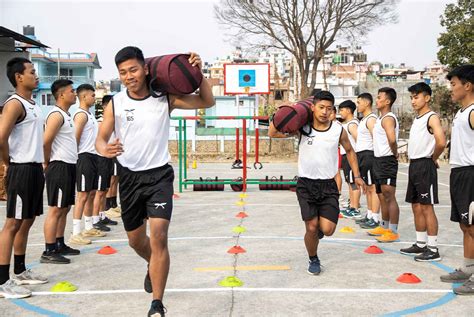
pixel 388 237
pixel 378 231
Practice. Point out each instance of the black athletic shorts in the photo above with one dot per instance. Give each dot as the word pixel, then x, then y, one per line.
pixel 422 182
pixel 86 172
pixel 461 188
pixel 318 198
pixel 25 185
pixel 104 170
pixel 145 194
pixel 385 172
pixel 60 184
pixel 366 163
pixel 346 168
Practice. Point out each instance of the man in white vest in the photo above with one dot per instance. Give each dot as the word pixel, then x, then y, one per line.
pixel 461 181
pixel 426 143
pixel 141 125
pixel 23 158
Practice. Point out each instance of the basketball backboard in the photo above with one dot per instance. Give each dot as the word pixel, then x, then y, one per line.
pixel 246 78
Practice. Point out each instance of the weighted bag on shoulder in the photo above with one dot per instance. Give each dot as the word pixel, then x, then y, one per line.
pixel 292 117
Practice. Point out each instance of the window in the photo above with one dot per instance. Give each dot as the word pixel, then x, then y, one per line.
pixel 65 72
pixel 47 100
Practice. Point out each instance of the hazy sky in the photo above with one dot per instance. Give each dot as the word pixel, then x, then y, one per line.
pixel 164 27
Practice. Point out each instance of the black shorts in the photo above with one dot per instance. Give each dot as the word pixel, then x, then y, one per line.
pixel 86 172
pixel 366 163
pixel 385 172
pixel 422 182
pixel 461 188
pixel 60 184
pixel 25 185
pixel 145 194
pixel 346 168
pixel 318 198
pixel 104 169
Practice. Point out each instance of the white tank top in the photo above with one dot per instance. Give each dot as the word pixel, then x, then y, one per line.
pixel 26 139
pixel 381 146
pixel 364 137
pixel 64 146
pixel 318 155
pixel 421 143
pixel 89 133
pixel 351 138
pixel 462 139
pixel 142 126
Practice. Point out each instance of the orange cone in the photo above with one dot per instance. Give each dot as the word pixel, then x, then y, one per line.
pixel 107 250
pixel 341 216
pixel 236 250
pixel 175 196
pixel 408 278
pixel 241 214
pixel 373 249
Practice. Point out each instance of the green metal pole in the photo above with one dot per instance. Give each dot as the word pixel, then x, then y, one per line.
pixel 185 154
pixel 180 154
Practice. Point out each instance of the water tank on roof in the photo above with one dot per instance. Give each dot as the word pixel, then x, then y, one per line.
pixel 115 85
pixel 29 30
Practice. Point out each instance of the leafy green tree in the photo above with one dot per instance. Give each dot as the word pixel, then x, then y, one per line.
pixel 457 43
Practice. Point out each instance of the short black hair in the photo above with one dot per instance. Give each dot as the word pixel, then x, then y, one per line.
pixel 420 87
pixel 366 96
pixel 465 73
pixel 348 104
pixel 323 95
pixel 106 99
pixel 58 84
pixel 129 52
pixel 391 94
pixel 84 87
pixel 14 66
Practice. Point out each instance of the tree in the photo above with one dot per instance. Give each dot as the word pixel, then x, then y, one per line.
pixel 457 43
pixel 304 28
pixel 442 102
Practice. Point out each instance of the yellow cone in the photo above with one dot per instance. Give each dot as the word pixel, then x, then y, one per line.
pixel 347 230
pixel 231 281
pixel 194 166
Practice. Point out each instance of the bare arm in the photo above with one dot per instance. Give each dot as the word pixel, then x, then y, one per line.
pixel 12 111
pixel 440 139
pixel 352 128
pixel 80 120
pixel 352 159
pixel 274 133
pixel 370 125
pixel 53 124
pixel 471 119
pixel 106 128
pixel 205 99
pixel 388 124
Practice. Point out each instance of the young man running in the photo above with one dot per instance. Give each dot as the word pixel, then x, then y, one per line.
pixel 386 166
pixel 350 125
pixel 60 157
pixel 22 157
pixel 86 169
pixel 141 125
pixel 317 165
pixel 462 173
pixel 425 145
pixel 365 156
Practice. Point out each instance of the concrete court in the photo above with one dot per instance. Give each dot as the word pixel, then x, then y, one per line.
pixel 276 282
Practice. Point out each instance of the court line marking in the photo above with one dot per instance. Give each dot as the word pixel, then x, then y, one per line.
pixel 257 237
pixel 280 205
pixel 244 268
pixel 256 289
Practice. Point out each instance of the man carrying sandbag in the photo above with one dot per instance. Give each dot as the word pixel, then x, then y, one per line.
pixel 141 124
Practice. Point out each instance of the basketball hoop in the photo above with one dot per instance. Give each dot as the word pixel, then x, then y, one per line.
pixel 247 90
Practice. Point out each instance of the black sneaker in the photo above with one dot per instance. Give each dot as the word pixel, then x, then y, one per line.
pixel 100 226
pixel 428 256
pixel 370 224
pixel 157 309
pixel 107 221
pixel 67 250
pixel 413 250
pixel 147 283
pixel 53 257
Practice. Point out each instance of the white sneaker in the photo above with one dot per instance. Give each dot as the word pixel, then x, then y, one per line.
pixel 29 277
pixel 78 239
pixel 93 233
pixel 114 212
pixel 10 290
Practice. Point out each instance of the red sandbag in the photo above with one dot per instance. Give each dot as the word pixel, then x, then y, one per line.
pixel 291 118
pixel 173 74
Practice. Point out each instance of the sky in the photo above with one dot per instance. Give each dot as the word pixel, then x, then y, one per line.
pixel 163 27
